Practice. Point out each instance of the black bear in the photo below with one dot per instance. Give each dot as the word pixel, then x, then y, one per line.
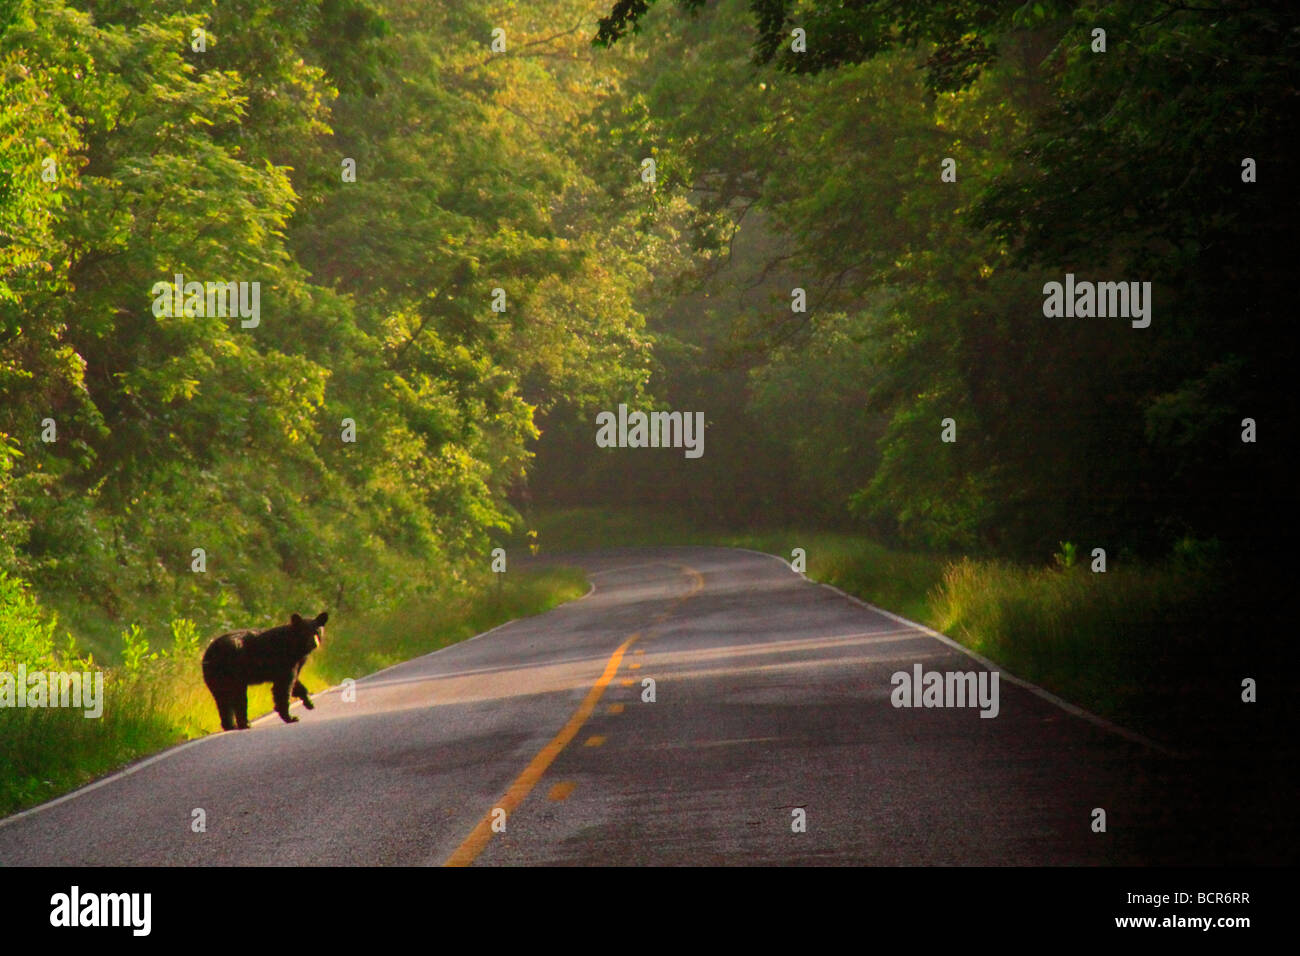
pixel 235 660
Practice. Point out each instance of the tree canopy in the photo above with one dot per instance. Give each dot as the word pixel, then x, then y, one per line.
pixel 1105 140
pixel 461 260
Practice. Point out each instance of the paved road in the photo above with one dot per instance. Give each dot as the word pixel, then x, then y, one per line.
pixel 772 694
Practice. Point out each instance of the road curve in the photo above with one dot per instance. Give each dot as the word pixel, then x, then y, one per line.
pixel 771 696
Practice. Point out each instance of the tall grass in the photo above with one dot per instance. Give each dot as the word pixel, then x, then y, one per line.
pixel 1089 637
pixel 899 581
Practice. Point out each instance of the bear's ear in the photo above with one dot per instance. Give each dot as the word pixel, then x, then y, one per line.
pixel 295 620
pixel 324 616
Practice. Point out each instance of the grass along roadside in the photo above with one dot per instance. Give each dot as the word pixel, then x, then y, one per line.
pixel 1140 644
pixel 154 696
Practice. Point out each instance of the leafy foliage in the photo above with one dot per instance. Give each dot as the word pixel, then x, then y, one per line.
pixel 224 163
pixel 820 169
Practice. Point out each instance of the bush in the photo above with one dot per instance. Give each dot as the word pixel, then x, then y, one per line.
pixel 26 630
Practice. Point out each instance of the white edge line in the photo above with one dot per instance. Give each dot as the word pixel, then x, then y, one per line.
pixel 214 735
pixel 95 785
pixel 1033 688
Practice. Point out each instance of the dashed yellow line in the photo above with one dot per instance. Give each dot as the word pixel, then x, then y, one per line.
pixel 615 708
pixel 595 740
pixel 479 837
pixel 561 790
pixel 474 843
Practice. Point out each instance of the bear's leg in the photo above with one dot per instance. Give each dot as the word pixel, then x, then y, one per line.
pixel 280 693
pixel 241 708
pixel 226 713
pixel 300 691
pixel 227 710
pixel 225 701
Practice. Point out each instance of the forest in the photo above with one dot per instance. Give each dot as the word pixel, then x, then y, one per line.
pixel 452 235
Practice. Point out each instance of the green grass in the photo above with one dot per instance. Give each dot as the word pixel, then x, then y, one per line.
pixel 899 581
pixel 584 529
pixel 1105 641
pixel 159 699
pixel 1139 643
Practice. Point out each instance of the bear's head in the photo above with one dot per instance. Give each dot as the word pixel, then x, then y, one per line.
pixel 309 634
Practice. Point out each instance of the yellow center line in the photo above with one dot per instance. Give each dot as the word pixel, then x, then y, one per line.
pixel 481 835
pixel 478 839
pixel 561 790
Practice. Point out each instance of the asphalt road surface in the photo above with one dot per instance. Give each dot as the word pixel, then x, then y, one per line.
pixel 533 744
